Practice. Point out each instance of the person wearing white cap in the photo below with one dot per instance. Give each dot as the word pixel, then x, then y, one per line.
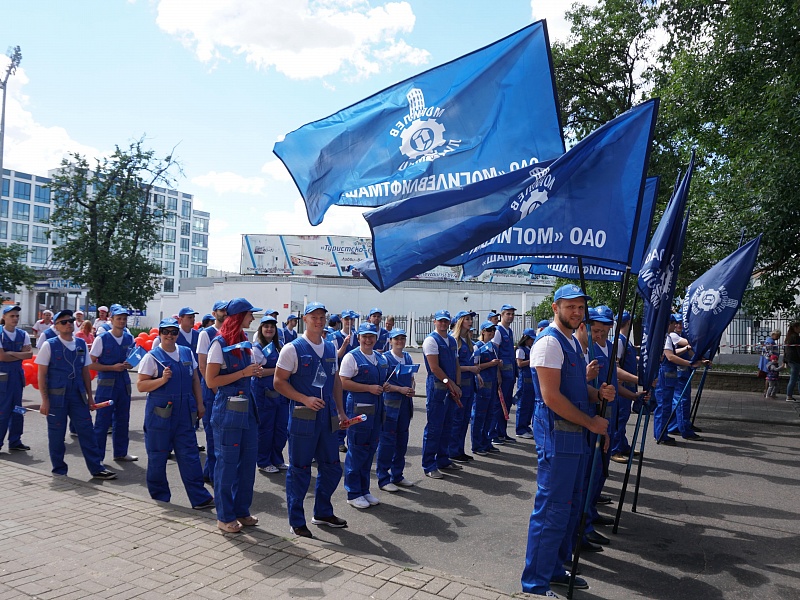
pixel 102 318
pixel 79 318
pixel 16 347
pixel 42 324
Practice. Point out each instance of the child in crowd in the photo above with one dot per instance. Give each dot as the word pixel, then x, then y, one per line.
pixel 773 373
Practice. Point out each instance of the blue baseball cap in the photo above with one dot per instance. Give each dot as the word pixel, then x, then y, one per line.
pixel 290 317
pixel 442 314
pixel 168 322
pixel 569 291
pixel 271 311
pixel 605 314
pixel 10 307
pixel 507 307
pixel 488 325
pixel 349 314
pixel 335 318
pixel 626 316
pixel 207 317
pixel 241 305
pixel 492 315
pixel 62 313
pixel 268 319
pixel 531 333
pixel 464 313
pixel 312 306
pixel 219 305
pixel 187 311
pixel 544 323
pixel 367 329
pixel 676 318
pixel 375 310
pixel 116 310
pixel 397 333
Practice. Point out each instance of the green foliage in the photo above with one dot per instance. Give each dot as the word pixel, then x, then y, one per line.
pixel 107 225
pixel 14 274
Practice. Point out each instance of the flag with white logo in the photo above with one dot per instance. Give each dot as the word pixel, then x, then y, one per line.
pixel 714 298
pixel 481 115
pixel 584 203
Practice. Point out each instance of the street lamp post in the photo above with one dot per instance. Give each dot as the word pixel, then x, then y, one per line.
pixel 16 57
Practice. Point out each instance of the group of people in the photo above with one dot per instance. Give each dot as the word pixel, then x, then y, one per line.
pixel 769 365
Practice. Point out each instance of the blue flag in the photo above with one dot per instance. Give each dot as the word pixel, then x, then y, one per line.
pixel 714 298
pixel 657 277
pixel 407 369
pixel 135 356
pixel 580 204
pixel 245 345
pixel 483 114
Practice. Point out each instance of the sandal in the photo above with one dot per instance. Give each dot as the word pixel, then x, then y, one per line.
pixel 232 527
pixel 248 521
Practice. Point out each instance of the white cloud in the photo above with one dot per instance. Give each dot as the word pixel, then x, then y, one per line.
pixel 553 11
pixel 230 183
pixel 30 146
pixel 276 170
pixel 302 39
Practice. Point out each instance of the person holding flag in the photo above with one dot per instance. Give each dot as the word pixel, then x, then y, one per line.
pixel 398 410
pixel 273 409
pixel 682 392
pixel 488 375
pixel 229 369
pixel 16 347
pixel 168 375
pixel 562 417
pixel 203 342
pixel 307 374
pixel 504 342
pixel 461 414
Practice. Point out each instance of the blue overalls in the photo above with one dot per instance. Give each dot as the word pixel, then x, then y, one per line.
pixel 12 382
pixel 562 450
pixel 116 386
pixel 235 424
pixel 208 401
pixel 341 434
pixel 682 405
pixel 439 406
pixel 169 417
pixel 362 438
pixel 289 335
pixel 397 412
pixel 505 352
pixel 67 394
pixel 273 415
pixel 382 343
pixel 525 396
pixel 619 443
pixel 461 416
pixel 665 390
pixel 311 434
pixel 485 397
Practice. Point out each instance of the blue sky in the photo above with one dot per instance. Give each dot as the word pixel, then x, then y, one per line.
pixel 222 80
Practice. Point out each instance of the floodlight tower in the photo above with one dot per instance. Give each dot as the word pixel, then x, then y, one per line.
pixel 16 57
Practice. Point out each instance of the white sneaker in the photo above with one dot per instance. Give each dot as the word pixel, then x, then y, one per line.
pixel 268 469
pixel 525 436
pixel 435 474
pixel 404 483
pixel 551 594
pixel 390 487
pixel 359 502
pixel 371 499
pixel 283 467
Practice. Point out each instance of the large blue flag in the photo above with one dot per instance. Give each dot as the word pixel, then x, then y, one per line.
pixel 483 114
pixel 580 204
pixel 567 266
pixel 657 278
pixel 714 298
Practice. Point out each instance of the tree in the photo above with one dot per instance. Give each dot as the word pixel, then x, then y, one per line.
pixel 108 220
pixel 14 273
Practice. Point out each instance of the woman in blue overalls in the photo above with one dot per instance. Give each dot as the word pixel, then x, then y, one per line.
pixel 273 409
pixel 363 373
pixel 461 416
pixel 485 357
pixel 525 394
pixel 235 418
pixel 398 409
pixel 168 374
pixel 16 346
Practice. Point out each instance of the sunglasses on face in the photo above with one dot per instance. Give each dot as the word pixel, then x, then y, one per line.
pixel 65 321
pixel 169 332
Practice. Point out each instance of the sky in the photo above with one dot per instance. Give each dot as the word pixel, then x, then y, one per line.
pixel 220 81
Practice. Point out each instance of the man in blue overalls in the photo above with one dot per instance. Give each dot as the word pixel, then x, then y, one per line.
pixel 682 393
pixel 16 347
pixel 203 342
pixel 375 317
pixel 65 386
pixel 289 333
pixel 665 389
pixel 626 359
pixel 110 359
pixel 561 418
pixel 346 340
pixel 307 374
pixel 504 340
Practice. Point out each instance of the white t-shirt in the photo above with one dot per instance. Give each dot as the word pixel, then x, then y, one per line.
pixel 671 341
pixel 98 321
pixel 287 360
pixel 186 336
pixel 41 339
pixel 498 338
pixel 40 326
pixel 203 342
pixel 97 345
pixel 149 366
pixel 547 352
pixel 429 345
pixel 12 335
pixel 349 366
pixel 520 354
pixel 43 358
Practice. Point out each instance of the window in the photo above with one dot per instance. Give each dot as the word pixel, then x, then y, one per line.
pixel 4 209
pixel 169 252
pixel 183 274
pixel 56 238
pixel 42 194
pixel 22 190
pixel 185 261
pixel 39 256
pixel 3 230
pixel 172 204
pixel 169 268
pixel 39 234
pixel 200 256
pixel 169 235
pixel 41 214
pixel 169 285
pixel 186 209
pixel 199 270
pixel 19 232
pixel 158 251
pixel 22 211
pixel 201 225
pixel 6 186
pixel 200 240
pixel 186 228
pixel 184 244
pixel 61 198
pixel 171 219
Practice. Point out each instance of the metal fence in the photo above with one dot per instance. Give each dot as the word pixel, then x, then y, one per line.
pixel 423 326
pixel 745 334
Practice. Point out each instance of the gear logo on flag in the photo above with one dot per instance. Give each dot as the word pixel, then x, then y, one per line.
pixel 536 194
pixel 711 300
pixel 420 132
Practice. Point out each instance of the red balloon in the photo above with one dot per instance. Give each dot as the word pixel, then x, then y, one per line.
pixel 197 326
pixel 93 373
pixel 31 373
pixel 148 345
pixel 152 336
pixel 154 330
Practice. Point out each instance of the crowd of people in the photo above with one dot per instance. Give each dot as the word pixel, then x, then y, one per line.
pixel 341 388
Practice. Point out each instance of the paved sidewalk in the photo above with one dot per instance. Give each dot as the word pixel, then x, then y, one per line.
pixel 67 539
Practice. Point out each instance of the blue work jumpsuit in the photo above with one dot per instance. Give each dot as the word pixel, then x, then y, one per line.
pixel 398 410
pixel 116 386
pixel 439 406
pixel 12 382
pixel 273 415
pixel 461 416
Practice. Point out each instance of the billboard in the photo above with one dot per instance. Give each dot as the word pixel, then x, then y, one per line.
pixel 334 256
